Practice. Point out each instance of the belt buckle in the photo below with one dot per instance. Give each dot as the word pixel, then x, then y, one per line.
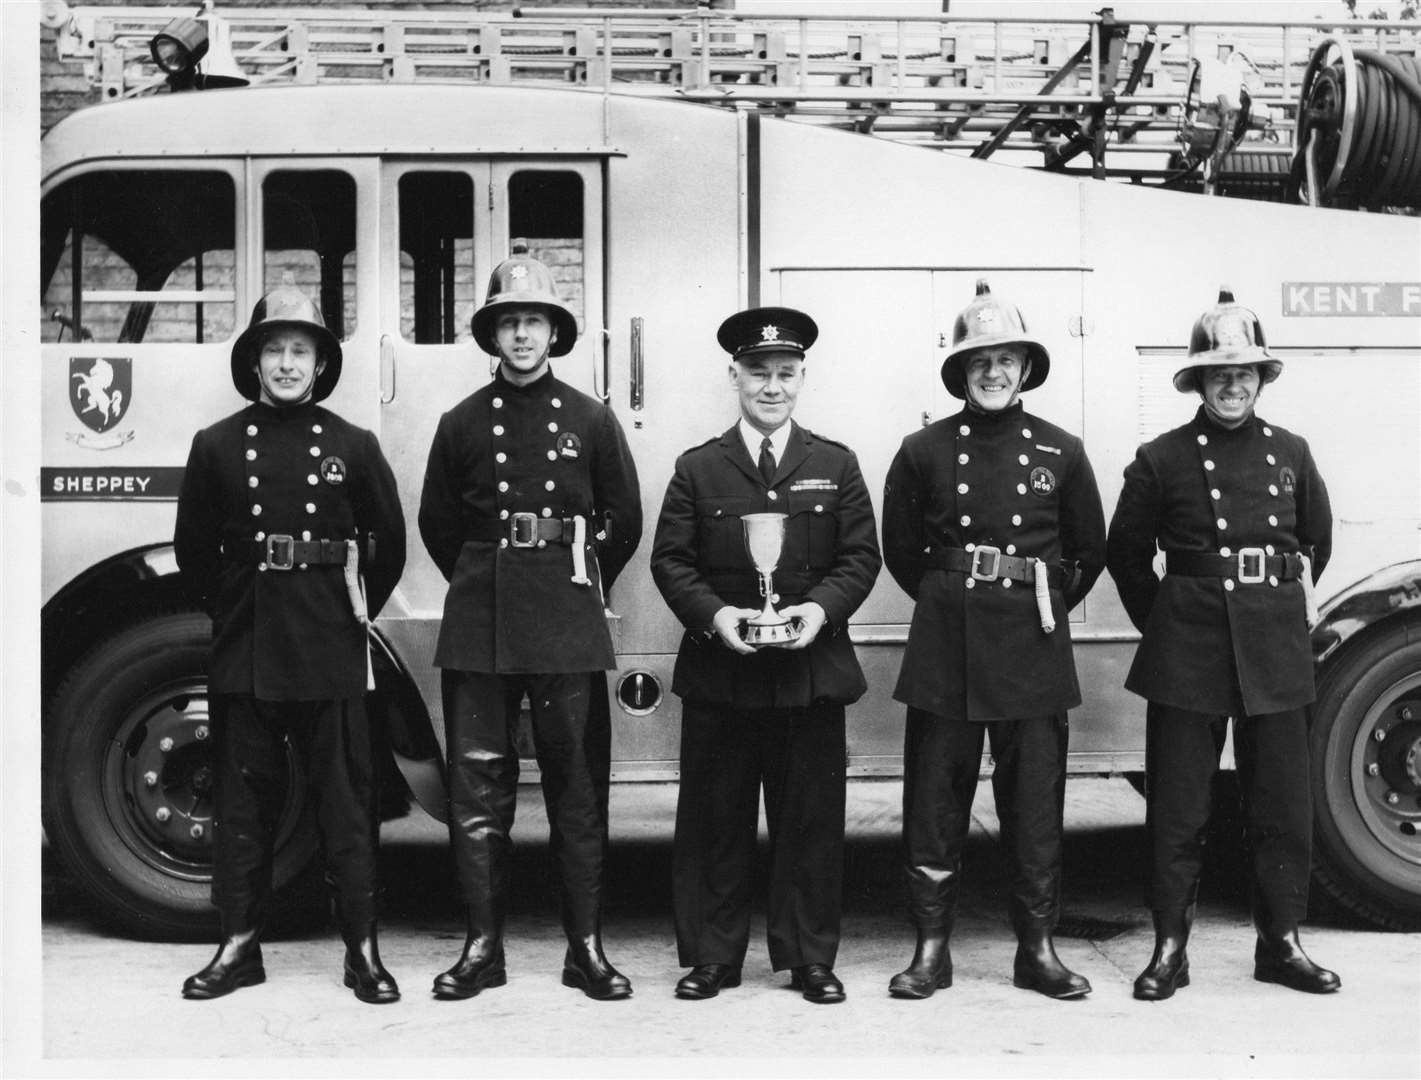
pixel 996 555
pixel 1256 556
pixel 280 551
pixel 523 530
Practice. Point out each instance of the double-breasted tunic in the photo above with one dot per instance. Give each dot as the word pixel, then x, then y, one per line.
pixel 304 473
pixel 1209 644
pixel 830 556
pixel 1007 480
pixel 547 450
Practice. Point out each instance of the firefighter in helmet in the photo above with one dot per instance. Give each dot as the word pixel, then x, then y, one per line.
pixel 992 523
pixel 289 530
pixel 530 509
pixel 1242 516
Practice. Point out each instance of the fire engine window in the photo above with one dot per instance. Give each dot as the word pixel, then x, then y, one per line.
pixel 437 289
pixel 545 208
pixel 308 240
pixel 139 255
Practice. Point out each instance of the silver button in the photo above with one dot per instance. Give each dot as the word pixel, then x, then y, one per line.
pixel 503 485
pixel 1273 580
pixel 251 455
pixel 503 543
pixel 1268 431
pixel 503 515
pixel 1272 519
pixel 1272 489
pixel 1021 489
pixel 251 429
pixel 260 537
pixel 549 485
pixel 305 534
pixel 962 489
pixel 557 403
pixel 552 455
pixel 1016 519
pixel 773 495
pixel 1209 465
pixel 1203 440
pixel 964 430
pixel 1226 551
pixel 1006 583
pixel 316 429
pixel 1024 459
pixel 303 566
pixel 1216 494
pixel 498 429
pixel 256 509
pixel 1026 433
pixel 547 511
pixel 1272 460
pixel 315 451
pixel 552 425
pixel 969 547
pixel 500 457
pixel 542 543
pixel 261 566
pixel 971 583
pixel 1011 549
pixel 1268 548
pixel 313 479
pixel 962 459
pixel 1229 584
pixel 498 403
pixel 818 508
pixel 310 508
pixel 1222 524
pixel 965 519
pixel 252 481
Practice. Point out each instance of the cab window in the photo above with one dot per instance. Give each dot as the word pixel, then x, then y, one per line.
pixel 139 255
pixel 545 207
pixel 437 288
pixel 308 240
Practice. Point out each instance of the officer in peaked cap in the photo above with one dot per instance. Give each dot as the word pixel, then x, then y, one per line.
pixel 289 529
pixel 772 717
pixel 530 509
pixel 992 523
pixel 1242 515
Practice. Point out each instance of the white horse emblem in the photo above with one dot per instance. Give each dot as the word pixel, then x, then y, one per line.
pixel 100 394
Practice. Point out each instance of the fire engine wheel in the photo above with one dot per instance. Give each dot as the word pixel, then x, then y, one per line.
pixel 1366 764
pixel 127 790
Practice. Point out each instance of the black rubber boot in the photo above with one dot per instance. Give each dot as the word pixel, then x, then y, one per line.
pixel 1168 969
pixel 364 973
pixel 1037 967
pixel 237 963
pixel 481 965
pixel 931 967
pixel 587 968
pixel 1279 958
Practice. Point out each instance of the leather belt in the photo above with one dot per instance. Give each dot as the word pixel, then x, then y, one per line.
pixel 524 530
pixel 1247 566
pixel 987 563
pixel 280 551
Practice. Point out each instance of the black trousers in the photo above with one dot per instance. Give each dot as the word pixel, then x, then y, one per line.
pixel 331 740
pixel 1181 756
pixel 573 744
pixel 942 760
pixel 798 756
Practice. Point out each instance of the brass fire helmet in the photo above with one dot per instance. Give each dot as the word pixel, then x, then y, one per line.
pixel 285 307
pixel 1228 333
pixel 985 322
pixel 521 279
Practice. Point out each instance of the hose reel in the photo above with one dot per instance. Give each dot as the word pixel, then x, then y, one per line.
pixel 1358 140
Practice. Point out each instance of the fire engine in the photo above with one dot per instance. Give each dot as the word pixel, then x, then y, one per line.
pixel 673 167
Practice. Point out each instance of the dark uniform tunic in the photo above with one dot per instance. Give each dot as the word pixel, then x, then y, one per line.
pixel 1215 646
pixel 976 649
pixel 289 657
pixel 776 717
pixel 515 623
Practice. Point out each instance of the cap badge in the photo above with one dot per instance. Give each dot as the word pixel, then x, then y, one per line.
pixel 769 333
pixel 1043 481
pixel 519 271
pixel 333 470
pixel 987 315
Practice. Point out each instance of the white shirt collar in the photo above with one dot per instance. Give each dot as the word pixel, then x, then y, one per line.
pixel 779 439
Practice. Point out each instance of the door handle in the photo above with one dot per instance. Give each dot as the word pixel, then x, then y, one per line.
pixel 638 363
pixel 387 369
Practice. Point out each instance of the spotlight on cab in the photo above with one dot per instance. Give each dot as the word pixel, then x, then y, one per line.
pixel 185 43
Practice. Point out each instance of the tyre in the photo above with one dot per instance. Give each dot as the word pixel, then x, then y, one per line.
pixel 1366 777
pixel 127 786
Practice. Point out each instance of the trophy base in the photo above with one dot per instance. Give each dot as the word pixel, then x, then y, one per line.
pixel 770 633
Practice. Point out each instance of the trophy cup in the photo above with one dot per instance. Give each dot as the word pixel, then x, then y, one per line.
pixel 764 537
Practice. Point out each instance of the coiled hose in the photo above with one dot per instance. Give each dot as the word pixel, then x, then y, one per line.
pixel 1358 141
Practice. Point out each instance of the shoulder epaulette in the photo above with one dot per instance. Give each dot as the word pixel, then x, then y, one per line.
pixel 825 439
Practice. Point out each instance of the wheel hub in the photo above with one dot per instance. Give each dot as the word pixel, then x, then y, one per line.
pixel 167 776
pixel 1389 787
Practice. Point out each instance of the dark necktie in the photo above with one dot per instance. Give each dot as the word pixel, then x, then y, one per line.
pixel 767 462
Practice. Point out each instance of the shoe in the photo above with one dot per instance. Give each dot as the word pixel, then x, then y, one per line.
pixel 1168 969
pixel 480 966
pixel 585 968
pixel 237 963
pixel 1037 967
pixel 817 983
pixel 364 973
pixel 930 970
pixel 1279 958
pixel 706 981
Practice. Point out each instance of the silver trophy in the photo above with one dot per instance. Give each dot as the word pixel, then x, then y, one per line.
pixel 764 538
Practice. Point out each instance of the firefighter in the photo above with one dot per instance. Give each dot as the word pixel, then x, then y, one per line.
pixel 1242 516
pixel 289 530
pixel 992 523
pixel 771 715
pixel 530 509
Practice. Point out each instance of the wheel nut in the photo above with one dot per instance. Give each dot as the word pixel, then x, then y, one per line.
pixel 201 732
pixel 162 813
pixel 1373 769
pixel 1379 734
pixel 196 832
pixel 165 744
pixel 1392 798
pixel 150 778
pixel 1406 713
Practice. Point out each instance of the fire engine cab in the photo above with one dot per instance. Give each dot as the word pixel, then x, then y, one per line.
pixel 673 167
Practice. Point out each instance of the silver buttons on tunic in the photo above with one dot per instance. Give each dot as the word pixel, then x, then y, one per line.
pixel 552 455
pixel 1021 489
pixel 962 489
pixel 1229 584
pixel 251 455
pixel 503 515
pixel 552 425
pixel 547 511
pixel 1268 431
pixel 316 429
pixel 256 509
pixel 498 403
pixel 1225 551
pixel 306 534
pixel 1026 433
pixel 962 459
pixel 1006 582
pixel 1272 460
pixel 252 481
pixel 1273 519
pixel 1011 549
pixel 1203 440
pixel 965 519
pixel 315 451
pixel 1215 494
pixel 503 485
pixel 251 429
pixel 1016 519
pixel 772 495
pixel 498 429
pixel 310 508
pixel 1209 465
pixel 500 457
pixel 1272 489
pixel 1273 580
pixel 1024 459
pixel 557 403
pixel 964 430
pixel 970 583
pixel 1268 549
pixel 1222 524
pixel 549 485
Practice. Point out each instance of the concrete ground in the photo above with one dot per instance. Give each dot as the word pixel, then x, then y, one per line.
pixel 112 1006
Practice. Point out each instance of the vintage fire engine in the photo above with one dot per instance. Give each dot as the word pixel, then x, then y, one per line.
pixel 674 167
